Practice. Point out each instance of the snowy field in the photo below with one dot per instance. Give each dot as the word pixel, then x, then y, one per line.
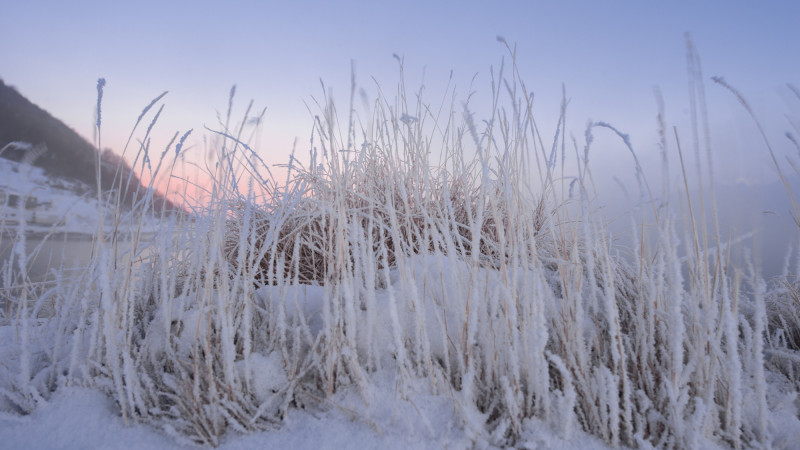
pixel 420 281
pixel 85 418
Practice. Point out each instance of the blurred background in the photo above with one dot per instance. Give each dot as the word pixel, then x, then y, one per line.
pixel 607 57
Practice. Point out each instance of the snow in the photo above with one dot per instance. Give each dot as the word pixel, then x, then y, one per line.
pixel 63 205
pixel 59 201
pixel 79 417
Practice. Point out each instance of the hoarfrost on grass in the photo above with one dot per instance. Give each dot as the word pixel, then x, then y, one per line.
pixel 407 304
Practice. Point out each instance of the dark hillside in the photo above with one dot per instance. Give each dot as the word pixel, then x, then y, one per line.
pixel 68 155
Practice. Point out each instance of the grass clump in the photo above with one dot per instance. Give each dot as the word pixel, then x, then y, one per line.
pixel 462 279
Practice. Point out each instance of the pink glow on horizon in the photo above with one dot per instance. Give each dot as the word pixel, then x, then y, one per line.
pixel 192 187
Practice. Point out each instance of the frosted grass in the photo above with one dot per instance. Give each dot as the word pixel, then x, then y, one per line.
pixel 462 280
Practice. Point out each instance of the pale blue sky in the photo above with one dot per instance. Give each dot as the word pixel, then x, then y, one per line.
pixel 609 55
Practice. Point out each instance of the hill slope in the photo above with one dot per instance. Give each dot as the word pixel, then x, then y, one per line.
pixel 69 155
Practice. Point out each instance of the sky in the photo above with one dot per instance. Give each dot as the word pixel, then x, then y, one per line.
pixel 607 55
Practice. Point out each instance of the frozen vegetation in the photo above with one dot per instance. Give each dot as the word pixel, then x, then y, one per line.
pixel 411 284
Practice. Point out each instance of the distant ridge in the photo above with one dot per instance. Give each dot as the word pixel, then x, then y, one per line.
pixel 69 155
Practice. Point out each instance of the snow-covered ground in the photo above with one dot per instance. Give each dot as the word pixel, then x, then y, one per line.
pixel 83 418
pixel 50 204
